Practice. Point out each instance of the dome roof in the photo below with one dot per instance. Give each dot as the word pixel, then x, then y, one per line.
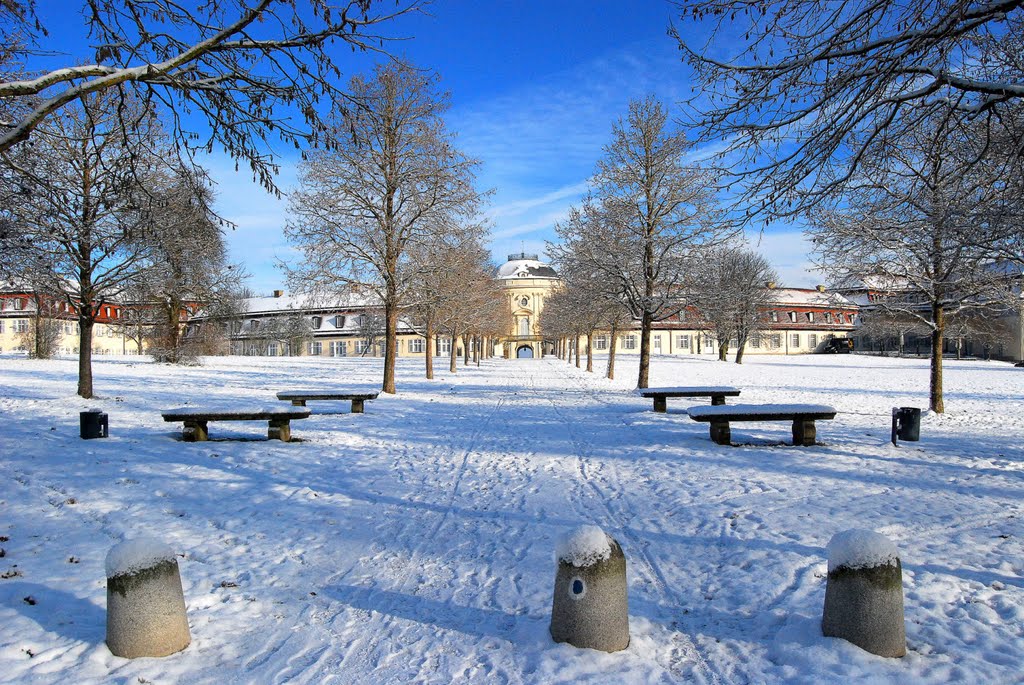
pixel 524 265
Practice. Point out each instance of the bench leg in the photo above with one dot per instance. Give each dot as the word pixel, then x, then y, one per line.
pixel 357 406
pixel 195 431
pixel 661 405
pixel 298 403
pixel 280 429
pixel 720 433
pixel 804 433
pixel 717 399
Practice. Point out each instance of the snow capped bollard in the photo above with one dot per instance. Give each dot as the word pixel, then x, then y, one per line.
pixel 864 593
pixel 145 604
pixel 590 607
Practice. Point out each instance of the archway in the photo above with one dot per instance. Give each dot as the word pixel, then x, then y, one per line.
pixel 524 352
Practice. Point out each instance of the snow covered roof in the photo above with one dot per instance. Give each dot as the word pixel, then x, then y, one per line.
pixel 306 302
pixel 524 265
pixel 807 297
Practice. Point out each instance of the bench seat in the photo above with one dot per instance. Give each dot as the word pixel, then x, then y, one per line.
pixel 195 419
pixel 803 417
pixel 299 398
pixel 717 393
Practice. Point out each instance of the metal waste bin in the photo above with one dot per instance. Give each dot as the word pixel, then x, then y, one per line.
pixel 906 424
pixel 93 424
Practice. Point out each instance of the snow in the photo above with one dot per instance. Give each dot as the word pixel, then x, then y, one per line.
pixel 136 555
pixel 857 548
pixel 705 389
pixel 205 409
pixel 414 542
pixel 754 409
pixel 584 546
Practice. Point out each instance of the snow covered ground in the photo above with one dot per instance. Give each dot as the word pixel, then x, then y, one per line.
pixel 415 542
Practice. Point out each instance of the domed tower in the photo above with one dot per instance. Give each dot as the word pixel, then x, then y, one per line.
pixel 527 281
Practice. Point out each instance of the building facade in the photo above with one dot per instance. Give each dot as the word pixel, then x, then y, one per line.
pixel 526 282
pixel 113 333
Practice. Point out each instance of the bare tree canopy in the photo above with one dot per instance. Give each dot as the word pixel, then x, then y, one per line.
pixel 651 210
pixel 922 222
pixel 801 89
pixel 392 179
pixel 251 68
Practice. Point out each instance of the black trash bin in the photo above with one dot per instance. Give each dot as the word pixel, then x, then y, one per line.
pixel 906 424
pixel 92 424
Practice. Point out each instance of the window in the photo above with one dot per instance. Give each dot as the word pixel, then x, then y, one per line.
pixel 19 304
pixel 774 317
pixel 629 342
pixel 657 343
pixel 444 346
pixel 683 342
pixel 417 346
pixel 1 326
pixel 339 349
pixel 272 349
pixel 812 341
pixel 828 317
pixel 523 301
pixel 339 321
pixel 792 317
pixel 317 321
pixel 810 317
pixel 775 342
pixel 794 341
pixel 21 325
pixel 755 341
pixel 524 326
pixel 316 348
pixel 254 325
pixel 361 347
pixel 601 342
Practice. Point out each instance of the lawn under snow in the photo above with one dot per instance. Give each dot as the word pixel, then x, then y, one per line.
pixel 416 542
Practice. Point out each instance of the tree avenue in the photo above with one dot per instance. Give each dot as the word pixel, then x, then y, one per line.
pixel 391 178
pixel 650 213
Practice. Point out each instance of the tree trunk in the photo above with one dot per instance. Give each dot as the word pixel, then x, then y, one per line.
pixel 742 342
pixel 646 322
pixel 454 353
pixel 465 349
pixel 935 380
pixel 610 373
pixel 723 351
pixel 429 357
pixel 390 338
pixel 576 344
pixel 85 324
pixel 590 351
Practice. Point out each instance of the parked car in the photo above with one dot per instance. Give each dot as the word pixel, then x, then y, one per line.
pixel 837 346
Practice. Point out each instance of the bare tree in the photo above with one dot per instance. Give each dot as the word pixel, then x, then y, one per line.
pixel 651 210
pixel 730 294
pixel 926 214
pixel 799 90
pixel 77 219
pixel 189 264
pixel 251 69
pixel 392 177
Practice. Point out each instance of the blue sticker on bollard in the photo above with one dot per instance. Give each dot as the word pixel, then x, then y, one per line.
pixel 577 588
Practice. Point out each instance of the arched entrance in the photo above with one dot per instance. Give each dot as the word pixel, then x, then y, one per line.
pixel 524 352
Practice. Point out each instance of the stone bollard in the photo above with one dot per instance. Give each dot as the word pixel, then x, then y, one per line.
pixel 590 607
pixel 864 593
pixel 145 604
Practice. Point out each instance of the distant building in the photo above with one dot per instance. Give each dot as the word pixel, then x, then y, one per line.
pixel 799 320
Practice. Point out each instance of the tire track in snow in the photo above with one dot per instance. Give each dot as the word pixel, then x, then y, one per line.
pixel 591 473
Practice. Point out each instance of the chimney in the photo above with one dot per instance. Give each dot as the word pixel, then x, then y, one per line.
pixel 279 293
pixel 820 288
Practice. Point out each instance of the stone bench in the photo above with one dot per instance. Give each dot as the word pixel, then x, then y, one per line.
pixel 299 397
pixel 661 395
pixel 196 418
pixel 803 417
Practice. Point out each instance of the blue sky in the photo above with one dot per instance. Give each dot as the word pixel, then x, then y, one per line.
pixel 535 87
